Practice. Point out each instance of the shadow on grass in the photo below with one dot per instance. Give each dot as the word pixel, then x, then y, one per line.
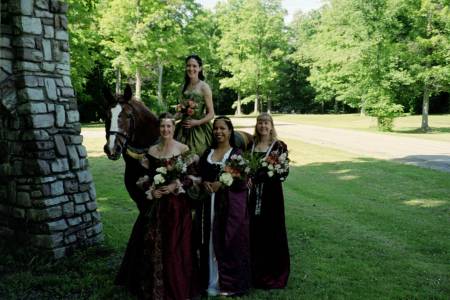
pixel 420 131
pixel 357 229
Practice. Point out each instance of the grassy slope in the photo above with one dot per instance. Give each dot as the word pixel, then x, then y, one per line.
pixel 358 228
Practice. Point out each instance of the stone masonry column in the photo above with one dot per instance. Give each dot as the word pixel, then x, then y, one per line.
pixel 47 197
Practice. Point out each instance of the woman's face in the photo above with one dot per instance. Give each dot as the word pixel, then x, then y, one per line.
pixel 264 127
pixel 166 128
pixel 192 68
pixel 221 131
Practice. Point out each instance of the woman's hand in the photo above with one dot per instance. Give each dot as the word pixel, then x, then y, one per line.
pixel 168 189
pixel 250 183
pixel 215 186
pixel 157 193
pixel 191 123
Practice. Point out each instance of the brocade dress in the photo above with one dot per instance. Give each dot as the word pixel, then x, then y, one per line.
pixel 224 232
pixel 198 138
pixel 268 238
pixel 159 261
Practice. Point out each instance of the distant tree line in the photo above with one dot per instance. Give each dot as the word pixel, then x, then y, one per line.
pixel 380 57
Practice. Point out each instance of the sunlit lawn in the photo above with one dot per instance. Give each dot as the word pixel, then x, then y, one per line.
pixel 358 228
pixel 405 126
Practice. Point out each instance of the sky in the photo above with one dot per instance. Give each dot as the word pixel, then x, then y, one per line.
pixel 290 5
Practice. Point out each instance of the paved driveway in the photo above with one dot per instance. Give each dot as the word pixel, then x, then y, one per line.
pixel 419 152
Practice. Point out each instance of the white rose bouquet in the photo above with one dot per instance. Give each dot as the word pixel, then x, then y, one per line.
pixel 276 164
pixel 236 167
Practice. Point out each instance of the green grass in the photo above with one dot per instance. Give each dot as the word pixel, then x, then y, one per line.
pixel 358 228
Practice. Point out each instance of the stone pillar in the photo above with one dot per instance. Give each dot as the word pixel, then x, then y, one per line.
pixel 47 197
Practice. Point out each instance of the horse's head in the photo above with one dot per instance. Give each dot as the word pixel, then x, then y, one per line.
pixel 129 124
pixel 119 123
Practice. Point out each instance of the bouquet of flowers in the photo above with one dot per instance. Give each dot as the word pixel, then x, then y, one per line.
pixel 236 167
pixel 276 164
pixel 172 170
pixel 188 105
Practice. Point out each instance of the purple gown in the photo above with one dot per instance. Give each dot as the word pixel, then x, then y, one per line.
pixel 230 231
pixel 268 238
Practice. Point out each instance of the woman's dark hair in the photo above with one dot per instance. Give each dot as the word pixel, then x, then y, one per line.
pixel 166 115
pixel 230 127
pixel 200 74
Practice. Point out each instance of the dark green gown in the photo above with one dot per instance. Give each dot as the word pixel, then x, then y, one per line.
pixel 197 138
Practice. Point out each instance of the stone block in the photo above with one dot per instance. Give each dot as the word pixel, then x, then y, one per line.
pixel 48 67
pixel 31 25
pixel 47 241
pixel 60 145
pixel 65 58
pixel 95 216
pixel 32 94
pixel 79 209
pixel 67 81
pixel 82 151
pixel 81 198
pixel 64 46
pixel 87 218
pixel 67 92
pixel 62 35
pixel 47 145
pixel 6 66
pixel 50 107
pixel 27 66
pixel 76 139
pixel 70 186
pixel 73 157
pixel 18 213
pixel 50 88
pixel 32 108
pixel 26 7
pixel 49 32
pixel 6 54
pixel 50 201
pixel 36 194
pixel 30 55
pixel 39 135
pixel 84 176
pixel 50 213
pixel 42 4
pixel 73 116
pixel 47 48
pixel 43 120
pixel 5 42
pixel 24 41
pixel 60 116
pixel 48 21
pixel 60 165
pixel 58 225
pixel 70 239
pixel 91 206
pixel 43 13
pixel 57 188
pixel 27 81
pixel 68 209
pixel 75 221
pixel 23 199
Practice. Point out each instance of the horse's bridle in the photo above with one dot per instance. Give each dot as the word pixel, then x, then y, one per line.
pixel 131 128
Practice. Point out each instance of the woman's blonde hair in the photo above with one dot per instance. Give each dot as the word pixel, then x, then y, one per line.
pixel 265 117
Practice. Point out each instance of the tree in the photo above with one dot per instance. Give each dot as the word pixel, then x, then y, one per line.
pixel 252 43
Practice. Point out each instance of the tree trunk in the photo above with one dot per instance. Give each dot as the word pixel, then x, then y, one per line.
pixel 336 107
pixel 425 108
pixel 256 107
pixel 269 105
pixel 238 105
pixel 160 78
pixel 138 85
pixel 118 80
pixel 322 106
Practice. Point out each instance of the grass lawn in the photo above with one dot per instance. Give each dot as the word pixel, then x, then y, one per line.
pixel 359 228
pixel 408 126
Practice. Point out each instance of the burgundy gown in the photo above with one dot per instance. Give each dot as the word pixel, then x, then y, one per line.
pixel 230 231
pixel 268 238
pixel 159 262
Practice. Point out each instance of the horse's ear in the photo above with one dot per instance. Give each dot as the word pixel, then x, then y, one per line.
pixel 127 93
pixel 108 95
